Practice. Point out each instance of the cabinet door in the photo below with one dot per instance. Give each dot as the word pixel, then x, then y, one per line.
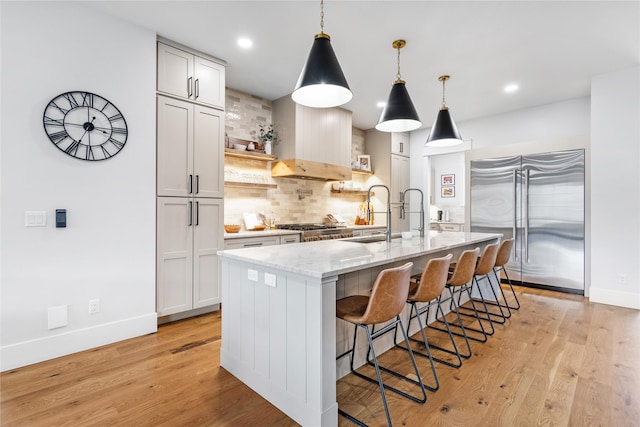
pixel 209 80
pixel 400 176
pixel 175 147
pixel 289 238
pixel 208 238
pixel 398 224
pixel 208 158
pixel 400 143
pixel 175 71
pixel 174 255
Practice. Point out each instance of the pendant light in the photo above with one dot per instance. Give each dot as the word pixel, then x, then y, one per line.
pixel 398 115
pixel 321 83
pixel 444 132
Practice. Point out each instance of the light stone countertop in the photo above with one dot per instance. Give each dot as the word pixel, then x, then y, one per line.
pixel 333 257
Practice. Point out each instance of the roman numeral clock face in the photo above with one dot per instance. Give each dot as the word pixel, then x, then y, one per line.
pixel 85 126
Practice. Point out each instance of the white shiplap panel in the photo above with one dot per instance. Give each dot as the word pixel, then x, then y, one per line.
pixel 278 342
pixel 262 336
pixel 296 345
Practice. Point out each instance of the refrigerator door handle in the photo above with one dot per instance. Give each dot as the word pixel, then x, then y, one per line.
pixel 526 218
pixel 515 211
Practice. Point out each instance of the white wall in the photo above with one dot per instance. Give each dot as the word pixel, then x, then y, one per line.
pixel 615 188
pixel 107 251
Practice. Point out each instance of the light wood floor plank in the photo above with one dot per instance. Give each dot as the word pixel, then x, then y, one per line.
pixel 559 361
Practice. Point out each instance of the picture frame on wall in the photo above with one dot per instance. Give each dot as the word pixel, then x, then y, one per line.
pixel 448 192
pixel 364 160
pixel 448 179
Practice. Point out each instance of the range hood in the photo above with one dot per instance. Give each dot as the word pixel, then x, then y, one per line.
pixel 307 169
pixel 314 143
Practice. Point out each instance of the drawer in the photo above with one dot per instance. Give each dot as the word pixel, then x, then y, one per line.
pixel 289 238
pixel 251 242
pixel 451 227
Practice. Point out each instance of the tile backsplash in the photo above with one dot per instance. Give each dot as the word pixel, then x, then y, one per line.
pixel 293 200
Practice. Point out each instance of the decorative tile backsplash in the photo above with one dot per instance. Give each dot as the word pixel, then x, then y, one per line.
pixel 294 200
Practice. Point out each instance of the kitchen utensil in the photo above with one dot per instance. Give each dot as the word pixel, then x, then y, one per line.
pixel 231 228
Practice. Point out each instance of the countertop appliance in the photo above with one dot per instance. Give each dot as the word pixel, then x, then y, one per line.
pixel 539 199
pixel 313 232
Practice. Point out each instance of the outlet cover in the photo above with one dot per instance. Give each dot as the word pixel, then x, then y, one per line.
pixel 58 316
pixel 94 306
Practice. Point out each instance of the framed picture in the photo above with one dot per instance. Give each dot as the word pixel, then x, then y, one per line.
pixel 448 192
pixel 449 179
pixel 364 160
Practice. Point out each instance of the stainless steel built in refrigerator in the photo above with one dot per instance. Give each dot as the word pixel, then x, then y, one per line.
pixel 539 199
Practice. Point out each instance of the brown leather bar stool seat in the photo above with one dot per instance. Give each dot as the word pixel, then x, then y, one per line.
pixel 428 289
pixel 388 296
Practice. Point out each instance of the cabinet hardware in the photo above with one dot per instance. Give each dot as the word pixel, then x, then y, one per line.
pixel 197 184
pixel 190 183
pixel 189 84
pixel 401 147
pixel 197 213
pixel 197 88
pixel 190 213
pixel 250 245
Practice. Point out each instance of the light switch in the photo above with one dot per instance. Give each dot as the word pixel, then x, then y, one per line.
pixel 35 218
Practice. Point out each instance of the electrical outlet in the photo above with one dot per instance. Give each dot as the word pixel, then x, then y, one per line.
pixel 270 279
pixel 252 275
pixel 94 306
pixel 622 279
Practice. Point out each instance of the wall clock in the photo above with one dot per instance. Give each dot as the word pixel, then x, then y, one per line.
pixel 85 125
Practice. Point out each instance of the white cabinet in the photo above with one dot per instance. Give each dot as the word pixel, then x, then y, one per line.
pixel 317 134
pixel 289 238
pixel 369 231
pixel 190 153
pixel 189 76
pixel 392 169
pixel 189 234
pixel 400 143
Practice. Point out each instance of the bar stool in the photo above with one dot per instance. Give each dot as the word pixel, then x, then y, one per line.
pixel 485 265
pixel 427 288
pixel 388 296
pixel 459 282
pixel 504 253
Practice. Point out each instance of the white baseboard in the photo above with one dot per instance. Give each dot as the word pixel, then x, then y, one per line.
pixel 611 297
pixel 38 350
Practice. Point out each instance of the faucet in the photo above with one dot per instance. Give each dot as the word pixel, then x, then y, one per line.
pixel 403 212
pixel 388 208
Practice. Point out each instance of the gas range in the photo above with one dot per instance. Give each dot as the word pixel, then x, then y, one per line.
pixel 314 232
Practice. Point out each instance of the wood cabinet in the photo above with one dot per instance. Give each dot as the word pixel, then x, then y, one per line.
pixel 189 234
pixel 190 153
pixel 186 75
pixel 317 134
pixel 392 169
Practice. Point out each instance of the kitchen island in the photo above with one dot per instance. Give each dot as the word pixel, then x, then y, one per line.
pixel 280 335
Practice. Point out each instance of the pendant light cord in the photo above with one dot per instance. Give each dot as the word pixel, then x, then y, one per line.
pixel 443 79
pixel 398 78
pixel 321 16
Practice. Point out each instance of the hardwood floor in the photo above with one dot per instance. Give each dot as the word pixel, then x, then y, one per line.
pixel 559 361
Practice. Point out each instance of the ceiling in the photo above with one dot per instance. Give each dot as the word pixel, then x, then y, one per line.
pixel 551 49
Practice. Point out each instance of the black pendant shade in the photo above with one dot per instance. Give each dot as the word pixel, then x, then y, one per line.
pixel 399 114
pixel 444 131
pixel 321 83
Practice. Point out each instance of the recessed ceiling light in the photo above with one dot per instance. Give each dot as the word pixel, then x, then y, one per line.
pixel 381 104
pixel 245 43
pixel 510 88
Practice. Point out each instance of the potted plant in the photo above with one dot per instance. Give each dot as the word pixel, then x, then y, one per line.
pixel 267 137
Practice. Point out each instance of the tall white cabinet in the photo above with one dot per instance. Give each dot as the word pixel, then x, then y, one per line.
pixel 190 182
pixel 390 163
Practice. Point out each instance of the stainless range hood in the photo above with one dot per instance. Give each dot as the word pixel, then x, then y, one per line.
pixel 314 143
pixel 307 169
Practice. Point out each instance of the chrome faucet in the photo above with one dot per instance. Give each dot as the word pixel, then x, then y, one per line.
pixel 403 212
pixel 388 208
